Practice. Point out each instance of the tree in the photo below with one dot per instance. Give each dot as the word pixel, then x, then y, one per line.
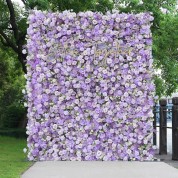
pixel 12 82
pixel 165 39
pixel 13 29
pixel 165 51
pixel 13 25
pixel 81 5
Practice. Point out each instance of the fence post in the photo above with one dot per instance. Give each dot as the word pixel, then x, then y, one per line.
pixel 175 128
pixel 154 125
pixel 163 129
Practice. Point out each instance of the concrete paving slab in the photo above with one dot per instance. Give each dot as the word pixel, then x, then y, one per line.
pixel 167 159
pixel 98 169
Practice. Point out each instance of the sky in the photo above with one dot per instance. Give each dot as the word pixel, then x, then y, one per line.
pixel 19 1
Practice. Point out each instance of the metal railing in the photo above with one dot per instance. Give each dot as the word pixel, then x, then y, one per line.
pixel 161 114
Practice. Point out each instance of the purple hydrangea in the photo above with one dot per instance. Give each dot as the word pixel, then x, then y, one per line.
pixel 89 86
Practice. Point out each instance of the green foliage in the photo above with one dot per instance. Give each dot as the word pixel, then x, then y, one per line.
pixel 165 52
pixel 165 39
pixel 165 45
pixel 11 76
pixel 4 15
pixel 3 71
pixel 13 132
pixel 160 86
pixel 75 5
pixel 40 4
pixel 11 85
pixel 164 30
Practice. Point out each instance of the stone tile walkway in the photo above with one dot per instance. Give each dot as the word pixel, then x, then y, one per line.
pixel 98 169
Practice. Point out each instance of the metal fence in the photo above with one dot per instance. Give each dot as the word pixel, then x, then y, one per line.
pixel 162 113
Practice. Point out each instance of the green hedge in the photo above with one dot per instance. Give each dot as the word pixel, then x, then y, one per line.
pixel 17 133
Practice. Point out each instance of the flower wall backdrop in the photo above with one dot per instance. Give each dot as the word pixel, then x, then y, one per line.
pixel 89 86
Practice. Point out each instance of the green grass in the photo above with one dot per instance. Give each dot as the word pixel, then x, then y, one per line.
pixel 13 161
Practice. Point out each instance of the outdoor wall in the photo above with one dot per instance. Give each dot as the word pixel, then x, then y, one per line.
pixel 89 86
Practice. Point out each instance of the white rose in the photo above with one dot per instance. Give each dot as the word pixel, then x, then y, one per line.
pixel 24 51
pixel 113 79
pixel 109 60
pixel 23 91
pixel 25 150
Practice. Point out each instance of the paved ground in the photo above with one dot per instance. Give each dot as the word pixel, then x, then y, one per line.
pixel 120 169
pixel 168 159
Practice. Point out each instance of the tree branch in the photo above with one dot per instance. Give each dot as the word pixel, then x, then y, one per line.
pixel 12 19
pixel 3 42
pixel 8 41
pixel 22 37
pixel 9 28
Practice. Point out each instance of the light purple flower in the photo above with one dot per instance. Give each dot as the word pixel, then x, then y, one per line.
pixel 86 101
